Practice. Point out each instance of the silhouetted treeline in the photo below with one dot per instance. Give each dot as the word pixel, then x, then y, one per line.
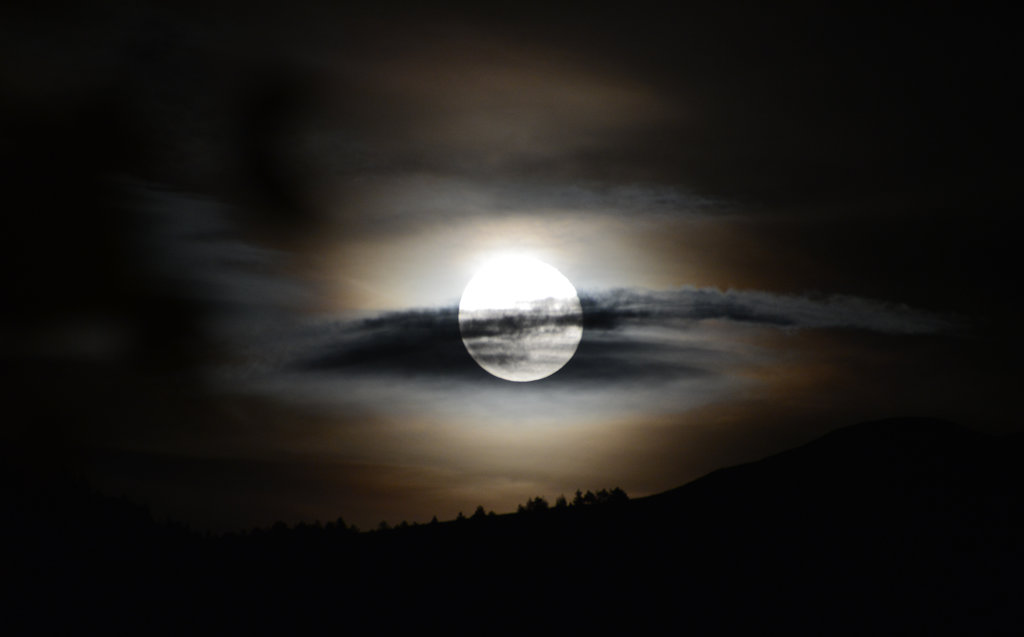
pixel 338 528
pixel 903 525
pixel 602 497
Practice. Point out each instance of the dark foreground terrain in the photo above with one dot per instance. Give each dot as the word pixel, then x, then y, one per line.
pixel 908 525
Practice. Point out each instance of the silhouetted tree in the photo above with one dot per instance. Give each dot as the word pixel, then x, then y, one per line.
pixel 479 514
pixel 433 520
pixel 604 496
pixel 535 505
pixel 460 517
pixel 383 526
pixel 560 502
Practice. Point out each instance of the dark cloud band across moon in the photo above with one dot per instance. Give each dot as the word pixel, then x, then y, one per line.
pixel 429 341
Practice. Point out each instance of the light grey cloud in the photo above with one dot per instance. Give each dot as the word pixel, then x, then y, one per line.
pixel 399 202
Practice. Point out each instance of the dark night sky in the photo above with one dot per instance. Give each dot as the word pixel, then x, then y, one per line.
pixel 235 242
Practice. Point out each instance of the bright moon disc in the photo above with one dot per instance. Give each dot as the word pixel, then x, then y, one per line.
pixel 520 319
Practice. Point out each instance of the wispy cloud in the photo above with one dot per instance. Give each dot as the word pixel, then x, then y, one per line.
pixel 610 309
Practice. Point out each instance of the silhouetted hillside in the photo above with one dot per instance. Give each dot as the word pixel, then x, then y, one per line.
pixel 904 524
pixel 897 467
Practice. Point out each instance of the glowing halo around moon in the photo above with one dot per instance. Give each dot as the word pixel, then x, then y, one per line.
pixel 520 319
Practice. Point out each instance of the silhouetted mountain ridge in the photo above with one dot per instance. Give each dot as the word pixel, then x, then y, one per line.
pixel 900 524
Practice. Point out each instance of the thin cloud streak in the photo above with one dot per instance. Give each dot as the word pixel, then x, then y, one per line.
pixel 766 308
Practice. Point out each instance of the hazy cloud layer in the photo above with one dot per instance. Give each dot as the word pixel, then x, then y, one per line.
pixel 330 158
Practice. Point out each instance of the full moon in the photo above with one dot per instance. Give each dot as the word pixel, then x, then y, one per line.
pixel 520 319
